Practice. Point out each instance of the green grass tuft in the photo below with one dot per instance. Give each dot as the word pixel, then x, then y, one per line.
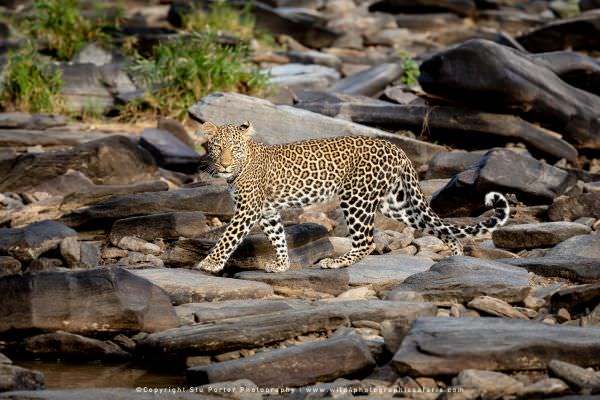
pixel 30 83
pixel 411 72
pixel 183 70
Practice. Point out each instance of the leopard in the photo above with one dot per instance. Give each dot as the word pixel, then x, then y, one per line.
pixel 367 174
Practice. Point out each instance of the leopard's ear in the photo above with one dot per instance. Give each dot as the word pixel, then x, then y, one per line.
pixel 247 128
pixel 209 129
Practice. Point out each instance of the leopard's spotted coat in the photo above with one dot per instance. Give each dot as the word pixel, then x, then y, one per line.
pixel 367 174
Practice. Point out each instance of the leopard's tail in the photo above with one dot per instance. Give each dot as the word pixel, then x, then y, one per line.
pixel 501 214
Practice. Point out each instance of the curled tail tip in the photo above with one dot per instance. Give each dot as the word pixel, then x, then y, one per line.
pixel 492 199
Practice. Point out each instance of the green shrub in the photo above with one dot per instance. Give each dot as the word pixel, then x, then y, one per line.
pixel 411 72
pixel 29 83
pixel 182 70
pixel 62 27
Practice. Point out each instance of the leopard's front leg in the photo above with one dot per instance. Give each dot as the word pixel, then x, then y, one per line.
pixel 243 220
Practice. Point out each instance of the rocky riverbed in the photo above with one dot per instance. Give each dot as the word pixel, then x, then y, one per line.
pixel 102 222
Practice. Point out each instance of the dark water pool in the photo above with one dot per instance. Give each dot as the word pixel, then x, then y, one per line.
pixel 60 375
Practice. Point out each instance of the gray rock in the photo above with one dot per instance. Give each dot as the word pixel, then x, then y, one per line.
pixel 32 241
pixel 211 200
pixel 521 82
pixel 139 245
pixel 571 208
pixel 576 299
pixel 496 307
pixel 544 234
pixel 536 183
pixel 13 377
pixel 90 255
pixel 51 138
pixel 370 81
pixel 545 388
pixel 9 265
pixel 576 69
pixel 574 374
pixel 20 120
pixel 301 76
pixel 113 160
pixel 580 246
pixel 323 360
pixel 45 264
pixel 93 54
pixel 446 165
pixel 65 345
pixel 447 346
pixel 459 279
pixel 166 226
pixel 578 269
pixel 489 384
pixel 284 124
pixel 169 151
pixel 386 270
pixel 313 57
pixel 333 281
pixel 94 300
pixel 186 286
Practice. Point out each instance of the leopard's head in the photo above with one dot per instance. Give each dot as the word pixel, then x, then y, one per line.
pixel 228 147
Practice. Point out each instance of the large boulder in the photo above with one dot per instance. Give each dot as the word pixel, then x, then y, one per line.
pixel 169 151
pixel 284 124
pixel 94 300
pixel 535 183
pixel 30 242
pixel 493 76
pixel 543 234
pixel 114 160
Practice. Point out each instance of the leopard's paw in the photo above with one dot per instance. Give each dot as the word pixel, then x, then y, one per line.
pixel 277 267
pixel 209 265
pixel 331 263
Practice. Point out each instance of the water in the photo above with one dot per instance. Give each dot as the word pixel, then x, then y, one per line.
pixel 62 375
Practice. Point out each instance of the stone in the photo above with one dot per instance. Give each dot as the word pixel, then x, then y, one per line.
pixel 312 57
pixel 21 120
pixel 447 346
pixel 51 138
pixel 168 151
pixel 454 125
pixel 370 81
pixel 206 312
pixel 574 268
pixel 93 300
pixel 45 264
pixel 574 374
pixel 115 160
pixel 496 307
pixel 538 92
pixel 580 246
pixel 569 208
pixel 132 243
pixel 386 270
pixel 212 200
pixel 537 183
pixel 460 7
pixel 576 69
pixel 13 377
pixel 459 279
pixel 545 388
pixel 70 250
pixel 30 242
pixel 69 346
pixel 544 234
pixel 93 54
pixel 326 281
pixel 429 243
pixel 577 33
pixel 489 384
pixel 165 226
pixel 576 299
pixel 300 365
pixel 176 128
pixel 446 165
pixel 9 265
pixel 186 286
pixel 90 255
pixel 301 76
pixel 285 124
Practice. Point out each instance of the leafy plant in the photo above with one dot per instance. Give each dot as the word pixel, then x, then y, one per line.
pixel 182 70
pixel 30 83
pixel 411 72
pixel 60 24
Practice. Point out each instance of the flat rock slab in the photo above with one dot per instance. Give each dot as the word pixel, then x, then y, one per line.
pixel 581 246
pixel 446 346
pixel 169 152
pixel 218 310
pixel 166 226
pixel 285 124
pixel 570 208
pixel 187 286
pixel 544 234
pixel 370 81
pixel 115 160
pixel 212 200
pixel 94 300
pixel 28 243
pixel 319 361
pixel 256 330
pixel 65 345
pixel 386 270
pixel 536 183
pixel 21 120
pixel 579 33
pixel 576 299
pixel 47 138
pixel 578 269
pixel 459 279
pixel 326 281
